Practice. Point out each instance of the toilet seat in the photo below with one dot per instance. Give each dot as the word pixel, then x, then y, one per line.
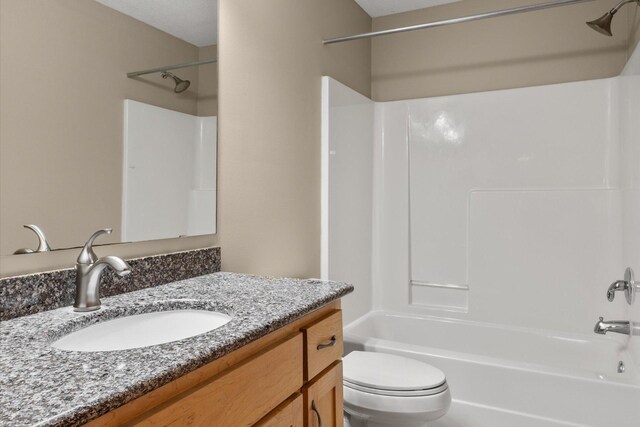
pixel 391 375
pixel 402 393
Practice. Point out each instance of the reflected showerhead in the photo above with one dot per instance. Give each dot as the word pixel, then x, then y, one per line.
pixel 603 24
pixel 181 85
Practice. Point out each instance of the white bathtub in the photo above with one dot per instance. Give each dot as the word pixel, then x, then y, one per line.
pixel 511 377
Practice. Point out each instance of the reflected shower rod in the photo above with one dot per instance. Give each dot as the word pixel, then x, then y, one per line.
pixel 171 67
pixel 495 14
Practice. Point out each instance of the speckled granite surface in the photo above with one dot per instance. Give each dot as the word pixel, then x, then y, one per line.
pixel 50 387
pixel 33 293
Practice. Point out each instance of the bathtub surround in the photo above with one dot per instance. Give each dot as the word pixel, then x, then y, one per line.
pixel 347 167
pixel 33 293
pixel 30 368
pixel 475 194
pixel 501 216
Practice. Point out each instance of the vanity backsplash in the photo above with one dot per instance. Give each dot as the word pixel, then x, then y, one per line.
pixel 32 293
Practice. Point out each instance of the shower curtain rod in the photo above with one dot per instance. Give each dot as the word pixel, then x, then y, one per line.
pixel 495 14
pixel 171 67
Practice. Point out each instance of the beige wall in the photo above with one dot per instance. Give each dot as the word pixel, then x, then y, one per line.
pixel 208 82
pixel 271 63
pixel 543 47
pixel 634 28
pixel 62 84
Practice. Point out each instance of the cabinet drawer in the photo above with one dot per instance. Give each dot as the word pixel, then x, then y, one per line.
pixel 288 414
pixel 322 344
pixel 240 396
pixel 323 404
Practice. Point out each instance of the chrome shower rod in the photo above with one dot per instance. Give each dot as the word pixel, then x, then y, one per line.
pixel 495 14
pixel 171 67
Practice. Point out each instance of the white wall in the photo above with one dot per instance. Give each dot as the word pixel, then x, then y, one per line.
pixel 347 191
pixel 169 175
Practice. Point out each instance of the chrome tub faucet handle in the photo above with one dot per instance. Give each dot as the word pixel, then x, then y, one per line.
pixel 618 285
pixel 629 286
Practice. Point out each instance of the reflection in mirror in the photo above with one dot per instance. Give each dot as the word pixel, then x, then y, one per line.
pixel 43 245
pixel 83 145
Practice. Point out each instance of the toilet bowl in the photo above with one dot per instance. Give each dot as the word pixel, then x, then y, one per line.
pixel 387 390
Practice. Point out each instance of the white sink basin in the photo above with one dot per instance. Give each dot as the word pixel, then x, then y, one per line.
pixel 142 330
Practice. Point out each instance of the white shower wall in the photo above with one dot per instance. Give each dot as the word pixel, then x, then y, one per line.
pixel 169 175
pixel 347 191
pixel 514 204
pixel 513 213
pixel 516 207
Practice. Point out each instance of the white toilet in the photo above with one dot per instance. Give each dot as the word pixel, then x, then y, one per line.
pixel 387 390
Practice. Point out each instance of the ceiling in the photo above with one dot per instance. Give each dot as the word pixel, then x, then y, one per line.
pixel 377 8
pixel 194 21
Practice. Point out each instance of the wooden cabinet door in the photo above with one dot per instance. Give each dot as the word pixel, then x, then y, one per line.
pixel 289 414
pixel 323 399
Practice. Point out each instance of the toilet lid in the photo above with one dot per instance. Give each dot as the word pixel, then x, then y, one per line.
pixel 383 371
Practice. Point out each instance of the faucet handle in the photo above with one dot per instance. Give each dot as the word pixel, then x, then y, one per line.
pixel 628 285
pixel 87 256
pixel 618 285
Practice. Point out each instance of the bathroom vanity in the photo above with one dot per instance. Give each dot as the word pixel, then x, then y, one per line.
pixel 275 363
pixel 291 375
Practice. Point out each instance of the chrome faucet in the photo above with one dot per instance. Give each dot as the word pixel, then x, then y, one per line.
pixel 88 272
pixel 617 326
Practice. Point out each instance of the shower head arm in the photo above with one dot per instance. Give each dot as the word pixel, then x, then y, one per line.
pixel 617 7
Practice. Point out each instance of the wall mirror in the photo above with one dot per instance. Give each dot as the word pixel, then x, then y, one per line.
pixel 102 124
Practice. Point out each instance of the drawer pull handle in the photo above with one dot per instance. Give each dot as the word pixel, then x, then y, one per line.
pixel 314 409
pixel 329 343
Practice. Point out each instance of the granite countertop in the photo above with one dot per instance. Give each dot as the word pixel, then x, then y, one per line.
pixel 45 386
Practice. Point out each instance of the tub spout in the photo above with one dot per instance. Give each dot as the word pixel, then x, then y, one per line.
pixel 617 326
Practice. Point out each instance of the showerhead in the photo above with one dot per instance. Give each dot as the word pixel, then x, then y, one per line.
pixel 603 24
pixel 181 85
